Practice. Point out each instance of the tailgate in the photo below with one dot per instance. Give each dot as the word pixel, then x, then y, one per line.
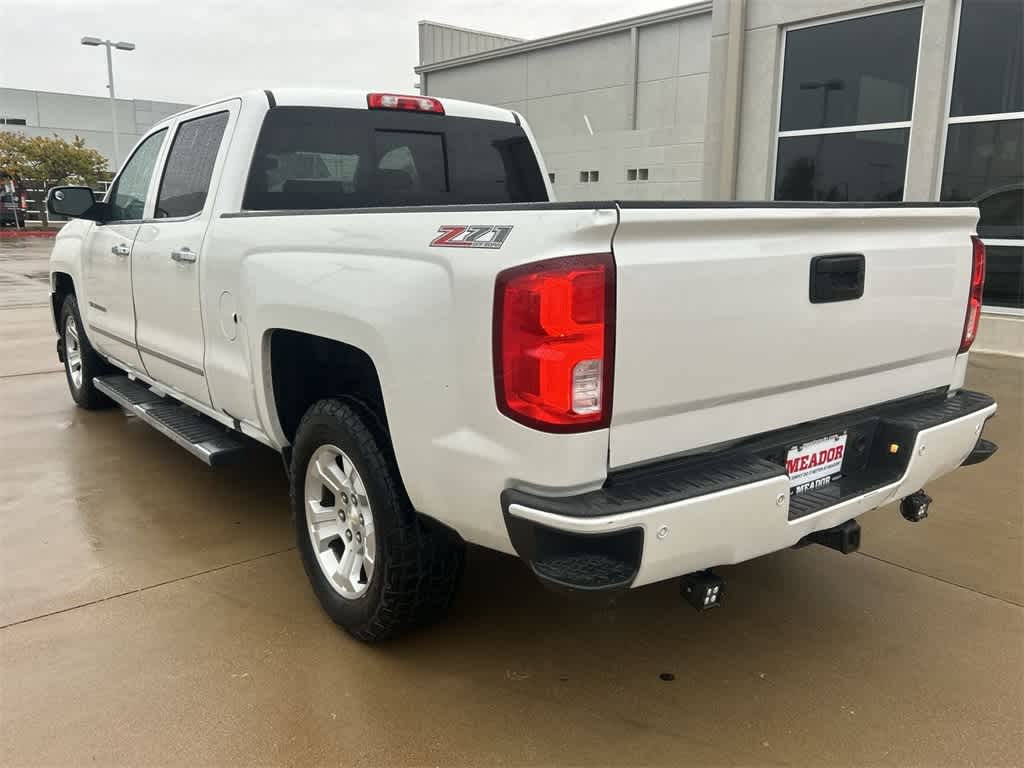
pixel 717 337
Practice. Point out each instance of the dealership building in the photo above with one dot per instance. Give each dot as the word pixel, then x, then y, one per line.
pixel 67 115
pixel 759 100
pixel 844 100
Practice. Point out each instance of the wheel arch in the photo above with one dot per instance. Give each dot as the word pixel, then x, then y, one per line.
pixel 62 285
pixel 305 368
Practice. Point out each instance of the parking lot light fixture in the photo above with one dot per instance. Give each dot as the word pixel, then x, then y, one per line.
pixel 121 45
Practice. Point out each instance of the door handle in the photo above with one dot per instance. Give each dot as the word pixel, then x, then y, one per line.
pixel 838 277
pixel 120 249
pixel 184 255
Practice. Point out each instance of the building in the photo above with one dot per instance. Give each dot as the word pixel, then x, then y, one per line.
pixel 758 99
pixel 44 113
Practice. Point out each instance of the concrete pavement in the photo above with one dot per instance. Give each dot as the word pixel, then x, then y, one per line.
pixel 154 611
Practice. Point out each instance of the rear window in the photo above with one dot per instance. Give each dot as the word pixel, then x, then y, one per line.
pixel 316 158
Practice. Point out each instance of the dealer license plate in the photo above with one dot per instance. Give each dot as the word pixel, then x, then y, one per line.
pixel 816 463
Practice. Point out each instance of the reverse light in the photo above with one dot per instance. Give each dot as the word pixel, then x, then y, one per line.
pixel 554 338
pixel 404 103
pixel 973 317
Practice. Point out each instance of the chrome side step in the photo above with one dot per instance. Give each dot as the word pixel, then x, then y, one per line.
pixel 203 437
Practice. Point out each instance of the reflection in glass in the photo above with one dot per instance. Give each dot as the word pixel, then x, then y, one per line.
pixel 852 72
pixel 865 165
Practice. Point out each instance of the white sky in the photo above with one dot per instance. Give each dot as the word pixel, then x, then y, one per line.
pixel 195 50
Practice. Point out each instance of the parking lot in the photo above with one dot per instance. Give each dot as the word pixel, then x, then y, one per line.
pixel 154 611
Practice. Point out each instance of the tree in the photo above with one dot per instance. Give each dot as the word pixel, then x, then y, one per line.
pixel 50 162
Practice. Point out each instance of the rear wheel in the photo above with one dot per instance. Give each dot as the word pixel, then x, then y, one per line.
pixel 376 566
pixel 81 362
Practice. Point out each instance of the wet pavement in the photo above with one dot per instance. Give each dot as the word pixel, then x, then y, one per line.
pixel 154 611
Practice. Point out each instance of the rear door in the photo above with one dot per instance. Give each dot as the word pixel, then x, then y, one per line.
pixel 169 250
pixel 720 336
pixel 108 311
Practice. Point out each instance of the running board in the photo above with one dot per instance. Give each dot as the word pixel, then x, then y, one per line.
pixel 201 436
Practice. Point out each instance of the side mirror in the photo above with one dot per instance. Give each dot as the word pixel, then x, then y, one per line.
pixel 73 202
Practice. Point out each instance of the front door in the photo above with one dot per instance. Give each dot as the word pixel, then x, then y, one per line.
pixel 107 268
pixel 168 255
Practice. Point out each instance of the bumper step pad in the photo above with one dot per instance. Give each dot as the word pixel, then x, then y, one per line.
pixel 201 436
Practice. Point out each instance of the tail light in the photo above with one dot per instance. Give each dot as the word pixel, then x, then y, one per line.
pixel 974 298
pixel 404 103
pixel 23 203
pixel 554 340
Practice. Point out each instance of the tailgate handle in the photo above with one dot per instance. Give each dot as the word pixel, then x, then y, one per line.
pixel 838 277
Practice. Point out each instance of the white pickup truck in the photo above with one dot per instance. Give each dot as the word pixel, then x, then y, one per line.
pixel 381 288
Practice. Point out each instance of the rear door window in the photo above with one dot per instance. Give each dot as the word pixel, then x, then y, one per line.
pixel 322 158
pixel 189 167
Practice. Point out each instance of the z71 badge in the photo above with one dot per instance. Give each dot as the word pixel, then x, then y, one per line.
pixel 471 236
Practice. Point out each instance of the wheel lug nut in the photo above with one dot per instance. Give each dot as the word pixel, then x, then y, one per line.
pixel 348 535
pixel 359 537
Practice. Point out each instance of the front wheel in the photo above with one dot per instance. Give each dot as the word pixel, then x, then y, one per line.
pixel 376 566
pixel 81 361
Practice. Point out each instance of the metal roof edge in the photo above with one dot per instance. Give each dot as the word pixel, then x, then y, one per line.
pixel 622 25
pixel 470 31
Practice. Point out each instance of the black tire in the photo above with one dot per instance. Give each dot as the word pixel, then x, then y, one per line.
pixel 85 394
pixel 418 562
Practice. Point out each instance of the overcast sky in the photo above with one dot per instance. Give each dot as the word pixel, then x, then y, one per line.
pixel 195 50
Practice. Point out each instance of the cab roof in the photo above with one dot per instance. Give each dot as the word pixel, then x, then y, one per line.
pixel 355 99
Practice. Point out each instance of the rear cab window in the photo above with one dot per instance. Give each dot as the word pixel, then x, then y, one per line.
pixel 324 158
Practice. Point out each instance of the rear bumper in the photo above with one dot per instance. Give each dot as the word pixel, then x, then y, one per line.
pixel 659 522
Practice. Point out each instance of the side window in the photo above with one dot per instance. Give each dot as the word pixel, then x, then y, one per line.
pixel 128 195
pixel 189 166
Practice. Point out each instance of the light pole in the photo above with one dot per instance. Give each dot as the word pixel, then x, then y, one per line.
pixel 121 46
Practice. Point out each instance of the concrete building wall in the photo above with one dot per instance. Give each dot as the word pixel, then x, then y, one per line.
pixel 69 115
pixel 641 84
pixel 762 38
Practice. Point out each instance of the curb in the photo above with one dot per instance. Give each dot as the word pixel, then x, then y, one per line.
pixel 28 233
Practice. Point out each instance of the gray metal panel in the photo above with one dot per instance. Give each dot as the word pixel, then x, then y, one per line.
pixel 440 42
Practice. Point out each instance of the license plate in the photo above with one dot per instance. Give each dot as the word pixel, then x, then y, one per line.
pixel 815 463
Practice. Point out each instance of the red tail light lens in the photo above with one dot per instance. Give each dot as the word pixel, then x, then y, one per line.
pixel 554 338
pixel 404 103
pixel 974 298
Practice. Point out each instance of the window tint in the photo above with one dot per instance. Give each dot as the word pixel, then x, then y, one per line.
pixel 989 76
pixel 1004 276
pixel 189 166
pixel 985 162
pixel 865 165
pixel 853 72
pixel 127 196
pixel 410 168
pixel 317 158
